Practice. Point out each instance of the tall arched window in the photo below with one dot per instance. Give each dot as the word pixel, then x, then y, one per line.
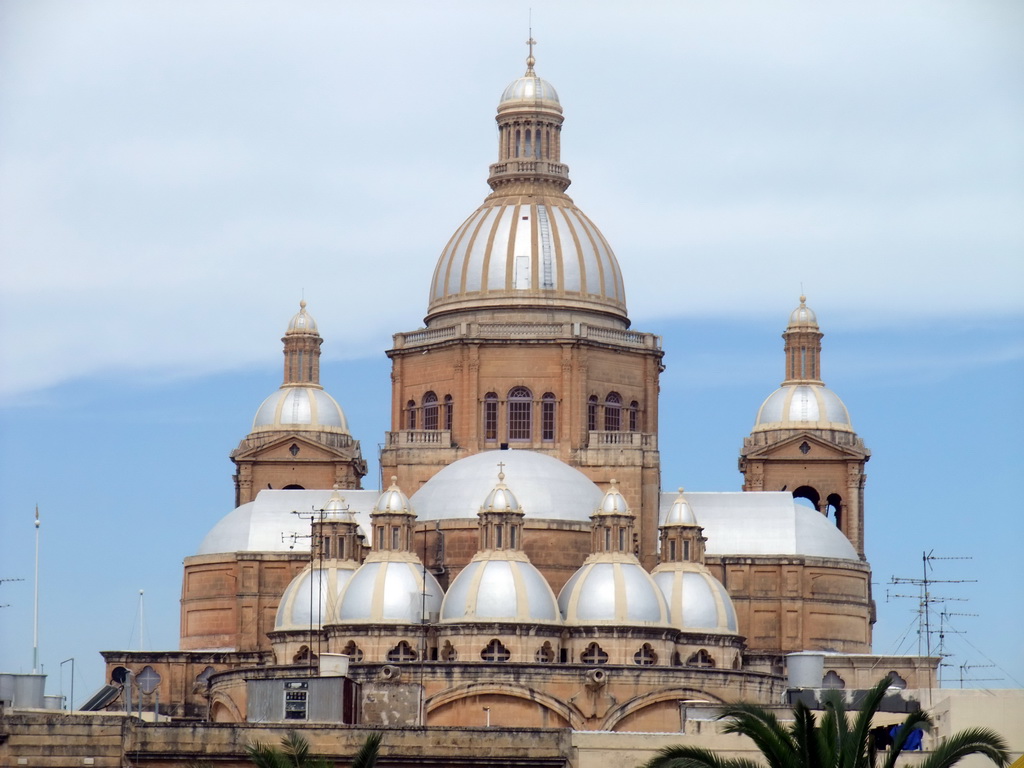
pixel 592 413
pixel 490 416
pixel 449 412
pixel 520 414
pixel 613 412
pixel 547 417
pixel 430 409
pixel 634 416
pixel 410 415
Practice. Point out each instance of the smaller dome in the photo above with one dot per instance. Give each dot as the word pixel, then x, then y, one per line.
pixel 613 503
pixel 311 599
pixel 680 513
pixel 306 408
pixel 696 599
pixel 390 591
pixel 501 499
pixel 302 322
pixel 802 316
pixel 797 406
pixel 336 507
pixel 612 589
pixel 393 501
pixel 500 586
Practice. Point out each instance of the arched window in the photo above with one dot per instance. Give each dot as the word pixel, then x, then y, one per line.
pixel 594 654
pixel 449 412
pixel 490 416
pixel 410 415
pixel 448 652
pixel 700 659
pixel 835 508
pixel 809 493
pixel 520 414
pixel 430 409
pixel 353 651
pixel 592 413
pixel 547 417
pixel 402 652
pixel 645 657
pixel 613 412
pixel 833 681
pixel 495 651
pixel 634 416
pixel 545 654
pixel 518 141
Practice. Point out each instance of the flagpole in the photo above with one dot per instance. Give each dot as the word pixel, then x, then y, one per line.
pixel 35 606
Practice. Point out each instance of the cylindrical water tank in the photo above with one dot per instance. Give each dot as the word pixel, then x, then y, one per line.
pixel 6 688
pixel 805 669
pixel 53 701
pixel 28 691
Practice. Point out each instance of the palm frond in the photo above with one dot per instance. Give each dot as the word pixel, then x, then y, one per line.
pixel 971 741
pixel 694 757
pixel 366 757
pixel 763 728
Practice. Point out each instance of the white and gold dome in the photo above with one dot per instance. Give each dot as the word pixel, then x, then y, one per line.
pixel 612 587
pixel 500 584
pixel 528 245
pixel 392 586
pixel 697 601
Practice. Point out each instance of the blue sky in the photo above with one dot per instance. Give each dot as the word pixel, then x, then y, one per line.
pixel 174 176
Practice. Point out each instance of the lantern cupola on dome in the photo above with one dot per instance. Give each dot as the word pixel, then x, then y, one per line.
pixel 696 599
pixel 528 246
pixel 379 592
pixel 611 587
pixel 500 583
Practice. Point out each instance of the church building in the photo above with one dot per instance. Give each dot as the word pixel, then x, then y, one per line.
pixel 526 558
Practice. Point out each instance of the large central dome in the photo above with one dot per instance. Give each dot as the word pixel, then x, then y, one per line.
pixel 528 246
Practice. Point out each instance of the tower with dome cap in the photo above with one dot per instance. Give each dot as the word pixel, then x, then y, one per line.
pixel 300 436
pixel 803 440
pixel 527 343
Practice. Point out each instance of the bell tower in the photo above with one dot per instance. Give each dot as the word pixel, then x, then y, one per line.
pixel 803 440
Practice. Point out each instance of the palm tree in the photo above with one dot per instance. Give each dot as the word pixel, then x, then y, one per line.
pixel 294 753
pixel 837 741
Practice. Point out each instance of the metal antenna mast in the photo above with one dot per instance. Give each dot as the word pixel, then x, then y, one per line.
pixel 926 598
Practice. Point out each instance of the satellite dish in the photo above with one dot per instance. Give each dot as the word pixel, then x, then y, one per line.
pixel 119 675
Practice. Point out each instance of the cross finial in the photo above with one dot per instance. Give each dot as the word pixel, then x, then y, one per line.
pixel 530 61
pixel 501 471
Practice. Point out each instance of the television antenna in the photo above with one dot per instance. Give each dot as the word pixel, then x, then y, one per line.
pixel 925 597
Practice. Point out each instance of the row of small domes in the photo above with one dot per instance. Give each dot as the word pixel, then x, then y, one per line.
pixel 610 588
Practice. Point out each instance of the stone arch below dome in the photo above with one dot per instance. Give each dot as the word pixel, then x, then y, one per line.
pixel 510 705
pixel 658 710
pixel 224 710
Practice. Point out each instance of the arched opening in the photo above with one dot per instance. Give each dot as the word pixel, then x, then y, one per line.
pixel 645 657
pixel 701 659
pixel 834 508
pixel 613 412
pixel 545 654
pixel 592 413
pixel 353 651
pixel 806 492
pixel 547 417
pixel 594 654
pixel 304 656
pixel 402 652
pixel 490 416
pixel 410 415
pixel 293 487
pixel 449 412
pixel 634 416
pixel 520 414
pixel 495 651
pixel 430 409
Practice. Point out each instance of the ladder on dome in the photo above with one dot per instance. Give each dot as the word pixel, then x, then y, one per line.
pixel 545 246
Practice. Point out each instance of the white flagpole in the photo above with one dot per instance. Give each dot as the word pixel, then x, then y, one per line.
pixel 35 607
